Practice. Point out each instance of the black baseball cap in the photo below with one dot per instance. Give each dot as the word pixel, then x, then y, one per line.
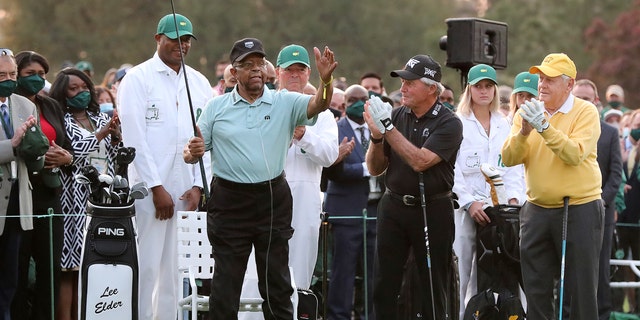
pixel 420 66
pixel 245 47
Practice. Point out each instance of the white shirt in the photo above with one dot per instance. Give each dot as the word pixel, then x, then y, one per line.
pixel 477 148
pixel 154 110
pixel 317 148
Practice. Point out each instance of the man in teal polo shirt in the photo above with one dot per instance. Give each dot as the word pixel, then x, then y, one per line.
pixel 248 132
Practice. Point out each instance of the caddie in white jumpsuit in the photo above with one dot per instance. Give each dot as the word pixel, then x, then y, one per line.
pixel 156 121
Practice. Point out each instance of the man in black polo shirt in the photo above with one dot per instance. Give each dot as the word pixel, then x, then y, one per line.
pixel 419 139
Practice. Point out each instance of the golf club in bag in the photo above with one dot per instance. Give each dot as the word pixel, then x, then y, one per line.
pixel 108 287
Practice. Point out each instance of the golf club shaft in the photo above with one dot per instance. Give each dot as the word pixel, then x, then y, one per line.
pixel 205 187
pixel 423 202
pixel 565 218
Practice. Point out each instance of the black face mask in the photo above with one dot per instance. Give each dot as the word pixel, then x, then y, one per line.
pixel 228 89
pixel 270 85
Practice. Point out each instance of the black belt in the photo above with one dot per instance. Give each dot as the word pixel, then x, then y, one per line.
pixel 248 186
pixel 411 200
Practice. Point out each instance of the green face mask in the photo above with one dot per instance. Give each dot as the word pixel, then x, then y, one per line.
pixel 449 106
pixel 635 134
pixel 614 104
pixel 31 84
pixel 80 101
pixel 356 109
pixel 7 87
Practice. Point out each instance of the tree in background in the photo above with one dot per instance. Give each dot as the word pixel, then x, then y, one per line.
pixel 616 48
pixel 371 35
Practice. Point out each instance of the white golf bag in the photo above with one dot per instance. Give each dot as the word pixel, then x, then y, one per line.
pixel 108 287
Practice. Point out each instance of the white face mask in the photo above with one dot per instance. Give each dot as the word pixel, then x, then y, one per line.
pixel 105 107
pixel 625 132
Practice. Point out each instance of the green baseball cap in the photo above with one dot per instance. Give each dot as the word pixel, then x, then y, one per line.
pixel 32 148
pixel 527 82
pixel 84 66
pixel 167 26
pixel 291 54
pixel 481 72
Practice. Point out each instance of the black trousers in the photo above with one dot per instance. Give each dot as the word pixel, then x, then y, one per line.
pixel 604 285
pixel 400 227
pixel 36 244
pixel 242 216
pixel 541 254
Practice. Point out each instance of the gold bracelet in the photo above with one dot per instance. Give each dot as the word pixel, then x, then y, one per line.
pixel 328 83
pixel 324 87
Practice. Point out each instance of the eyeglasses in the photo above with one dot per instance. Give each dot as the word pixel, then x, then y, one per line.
pixel 250 65
pixel 6 52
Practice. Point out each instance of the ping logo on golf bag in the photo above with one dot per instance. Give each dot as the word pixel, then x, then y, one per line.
pixel 110 230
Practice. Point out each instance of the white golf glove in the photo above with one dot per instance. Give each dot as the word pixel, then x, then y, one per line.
pixel 381 113
pixel 533 112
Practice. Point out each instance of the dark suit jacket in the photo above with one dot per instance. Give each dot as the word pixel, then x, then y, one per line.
pixel 348 189
pixel 610 162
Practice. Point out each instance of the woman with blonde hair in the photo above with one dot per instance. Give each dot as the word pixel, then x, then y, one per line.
pixel 484 131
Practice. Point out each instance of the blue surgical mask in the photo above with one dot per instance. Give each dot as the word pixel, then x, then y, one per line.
pixel 106 107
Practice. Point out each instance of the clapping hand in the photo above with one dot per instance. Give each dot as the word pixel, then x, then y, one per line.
pixel 533 112
pixel 380 113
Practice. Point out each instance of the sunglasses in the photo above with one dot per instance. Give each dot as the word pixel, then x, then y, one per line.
pixel 6 52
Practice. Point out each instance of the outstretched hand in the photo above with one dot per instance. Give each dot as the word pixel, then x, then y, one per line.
pixel 325 62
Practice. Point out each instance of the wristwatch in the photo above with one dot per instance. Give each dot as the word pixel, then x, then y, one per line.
pixel 375 141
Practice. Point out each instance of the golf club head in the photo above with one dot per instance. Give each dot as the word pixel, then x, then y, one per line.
pixel 106 195
pixel 105 178
pixel 138 191
pixel 81 179
pixel 91 174
pixel 124 157
pixel 119 182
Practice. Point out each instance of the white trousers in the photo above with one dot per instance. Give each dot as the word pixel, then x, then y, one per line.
pixel 303 246
pixel 464 246
pixel 157 252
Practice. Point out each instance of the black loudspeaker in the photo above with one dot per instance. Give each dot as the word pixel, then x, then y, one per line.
pixel 472 41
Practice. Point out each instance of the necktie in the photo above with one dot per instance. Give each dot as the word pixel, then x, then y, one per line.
pixel 6 121
pixel 363 139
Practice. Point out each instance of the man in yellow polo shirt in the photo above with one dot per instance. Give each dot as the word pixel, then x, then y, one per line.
pixel 555 138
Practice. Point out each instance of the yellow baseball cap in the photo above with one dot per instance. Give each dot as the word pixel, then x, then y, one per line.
pixel 554 65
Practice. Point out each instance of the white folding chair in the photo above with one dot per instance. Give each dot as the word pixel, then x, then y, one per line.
pixel 195 262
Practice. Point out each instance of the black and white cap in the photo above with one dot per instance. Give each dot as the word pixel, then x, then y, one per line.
pixel 420 66
pixel 245 47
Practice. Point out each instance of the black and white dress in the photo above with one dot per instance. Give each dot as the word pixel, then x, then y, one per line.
pixel 88 151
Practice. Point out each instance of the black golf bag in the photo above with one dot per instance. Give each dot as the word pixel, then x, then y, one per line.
pixel 109 269
pixel 498 250
pixel 499 276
